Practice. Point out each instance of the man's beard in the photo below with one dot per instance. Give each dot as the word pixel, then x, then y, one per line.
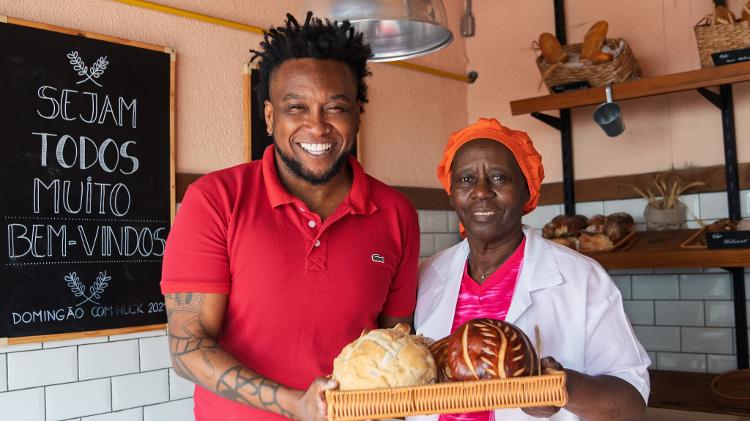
pixel 296 167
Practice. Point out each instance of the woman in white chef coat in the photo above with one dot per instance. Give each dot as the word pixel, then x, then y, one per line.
pixel 504 270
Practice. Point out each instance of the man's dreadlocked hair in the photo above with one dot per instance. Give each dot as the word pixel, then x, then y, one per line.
pixel 315 39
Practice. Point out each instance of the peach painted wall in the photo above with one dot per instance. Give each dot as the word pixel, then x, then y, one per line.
pixel 404 126
pixel 677 130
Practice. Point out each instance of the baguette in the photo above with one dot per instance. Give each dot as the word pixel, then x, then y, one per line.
pixel 594 39
pixel 601 57
pixel 723 15
pixel 551 49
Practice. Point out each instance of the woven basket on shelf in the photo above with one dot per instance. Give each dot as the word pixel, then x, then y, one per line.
pixel 719 38
pixel 447 398
pixel 621 68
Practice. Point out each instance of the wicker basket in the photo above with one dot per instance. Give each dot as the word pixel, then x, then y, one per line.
pixel 621 68
pixel 719 38
pixel 447 398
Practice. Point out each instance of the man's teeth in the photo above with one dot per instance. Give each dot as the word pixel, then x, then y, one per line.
pixel 316 148
pixel 484 213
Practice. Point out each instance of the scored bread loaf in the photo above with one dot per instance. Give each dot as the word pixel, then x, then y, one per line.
pixel 485 349
pixel 383 358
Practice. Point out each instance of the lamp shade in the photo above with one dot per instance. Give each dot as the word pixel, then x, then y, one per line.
pixel 395 29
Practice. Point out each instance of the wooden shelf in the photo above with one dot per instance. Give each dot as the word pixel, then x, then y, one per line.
pixel 661 249
pixel 677 82
pixel 687 392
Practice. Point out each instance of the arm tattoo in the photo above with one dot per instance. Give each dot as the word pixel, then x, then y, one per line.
pixel 189 341
pixel 237 382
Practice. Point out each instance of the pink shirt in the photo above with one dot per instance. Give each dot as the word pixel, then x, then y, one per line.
pixel 490 299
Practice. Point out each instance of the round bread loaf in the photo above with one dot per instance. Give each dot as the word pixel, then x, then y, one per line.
pixel 485 349
pixel 384 358
pixel 563 226
pixel 618 225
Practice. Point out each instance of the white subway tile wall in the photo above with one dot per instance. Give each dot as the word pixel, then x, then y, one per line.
pixel 720 313
pixel 20 347
pixel 590 208
pixel 683 316
pixel 433 221
pixel 708 286
pixel 632 206
pixel 659 338
pixel 639 312
pixel 78 399
pixel 179 388
pixel 41 368
pixel 175 410
pixel 655 287
pixel 439 230
pixel 426 245
pixel 140 389
pixel 678 313
pixel 71 342
pixel 541 215
pixel 154 353
pixel 93 379
pixel 681 361
pixel 721 363
pixel 623 284
pixel 108 359
pixel 135 414
pixel 23 405
pixel 3 373
pixel 713 205
pixel 707 340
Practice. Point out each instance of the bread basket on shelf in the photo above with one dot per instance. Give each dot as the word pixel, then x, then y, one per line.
pixel 447 398
pixel 622 67
pixel 712 38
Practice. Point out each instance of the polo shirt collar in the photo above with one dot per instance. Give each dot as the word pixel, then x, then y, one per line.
pixel 359 198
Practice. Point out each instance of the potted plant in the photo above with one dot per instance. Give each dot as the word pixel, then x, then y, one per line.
pixel 664 209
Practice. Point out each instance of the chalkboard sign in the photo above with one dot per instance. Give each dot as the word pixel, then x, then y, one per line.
pixel 87 173
pixel 256 136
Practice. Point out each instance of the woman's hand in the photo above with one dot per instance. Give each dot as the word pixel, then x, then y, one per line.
pixel 549 365
pixel 311 406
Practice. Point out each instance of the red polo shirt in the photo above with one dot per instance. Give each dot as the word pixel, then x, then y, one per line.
pixel 299 289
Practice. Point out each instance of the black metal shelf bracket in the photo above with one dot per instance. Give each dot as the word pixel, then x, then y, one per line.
pixel 724 101
pixel 565 126
pixel 712 97
pixel 550 120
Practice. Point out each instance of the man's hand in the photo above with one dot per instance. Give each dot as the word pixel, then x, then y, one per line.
pixel 548 365
pixel 311 406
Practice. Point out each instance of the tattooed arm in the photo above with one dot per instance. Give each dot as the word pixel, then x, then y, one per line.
pixel 195 320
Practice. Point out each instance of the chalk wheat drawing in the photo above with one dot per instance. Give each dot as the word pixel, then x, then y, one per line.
pixel 95 291
pixel 94 72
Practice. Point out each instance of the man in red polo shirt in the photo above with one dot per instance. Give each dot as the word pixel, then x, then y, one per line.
pixel 272 267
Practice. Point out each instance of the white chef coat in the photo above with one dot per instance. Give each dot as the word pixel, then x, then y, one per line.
pixel 568 295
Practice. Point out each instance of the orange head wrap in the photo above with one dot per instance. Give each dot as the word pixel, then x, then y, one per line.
pixel 519 144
